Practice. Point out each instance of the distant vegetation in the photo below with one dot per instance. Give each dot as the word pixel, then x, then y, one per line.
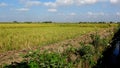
pixel 47 22
pixel 30 22
pixel 99 22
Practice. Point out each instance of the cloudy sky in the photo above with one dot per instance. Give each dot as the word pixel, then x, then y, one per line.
pixel 60 10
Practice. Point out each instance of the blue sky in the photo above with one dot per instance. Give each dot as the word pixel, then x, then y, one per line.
pixel 59 10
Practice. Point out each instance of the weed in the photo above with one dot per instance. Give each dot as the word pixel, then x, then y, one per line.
pixel 87 49
pixel 44 60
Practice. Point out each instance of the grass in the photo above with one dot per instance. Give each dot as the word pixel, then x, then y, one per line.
pixel 27 36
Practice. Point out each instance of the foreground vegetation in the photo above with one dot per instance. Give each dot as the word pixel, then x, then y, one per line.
pixel 27 36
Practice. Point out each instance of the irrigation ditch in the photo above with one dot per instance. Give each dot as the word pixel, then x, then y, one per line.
pixel 111 56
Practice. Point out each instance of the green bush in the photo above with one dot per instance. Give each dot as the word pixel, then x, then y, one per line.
pixel 95 39
pixel 43 60
pixel 87 49
pixel 48 60
pixel 87 53
pixel 89 59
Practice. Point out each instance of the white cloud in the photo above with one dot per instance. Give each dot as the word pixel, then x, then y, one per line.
pixel 23 9
pixel 118 13
pixel 64 2
pixel 81 2
pixel 52 10
pixel 103 0
pixel 3 4
pixel 70 2
pixel 69 14
pixel 114 1
pixel 90 13
pixel 50 4
pixel 72 14
pixel 32 3
pixel 59 3
pixel 95 14
pixel 29 3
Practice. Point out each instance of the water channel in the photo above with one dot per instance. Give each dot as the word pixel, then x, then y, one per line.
pixel 111 56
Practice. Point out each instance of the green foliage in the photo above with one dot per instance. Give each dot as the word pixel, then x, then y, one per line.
pixel 87 53
pixel 71 49
pixel 87 49
pixel 43 60
pixel 89 58
pixel 105 42
pixel 48 22
pixel 28 22
pixel 96 39
pixel 48 60
pixel 15 22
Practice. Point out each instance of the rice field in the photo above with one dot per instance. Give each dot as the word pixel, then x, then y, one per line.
pixel 27 36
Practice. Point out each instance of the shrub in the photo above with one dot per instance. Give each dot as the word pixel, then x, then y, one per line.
pixel 47 22
pixel 95 39
pixel 28 22
pixel 87 53
pixel 89 59
pixel 48 60
pixel 43 60
pixel 87 49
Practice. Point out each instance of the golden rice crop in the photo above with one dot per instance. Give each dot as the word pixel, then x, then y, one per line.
pixel 23 36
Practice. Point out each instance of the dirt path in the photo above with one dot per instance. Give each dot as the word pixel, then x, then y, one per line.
pixel 14 56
